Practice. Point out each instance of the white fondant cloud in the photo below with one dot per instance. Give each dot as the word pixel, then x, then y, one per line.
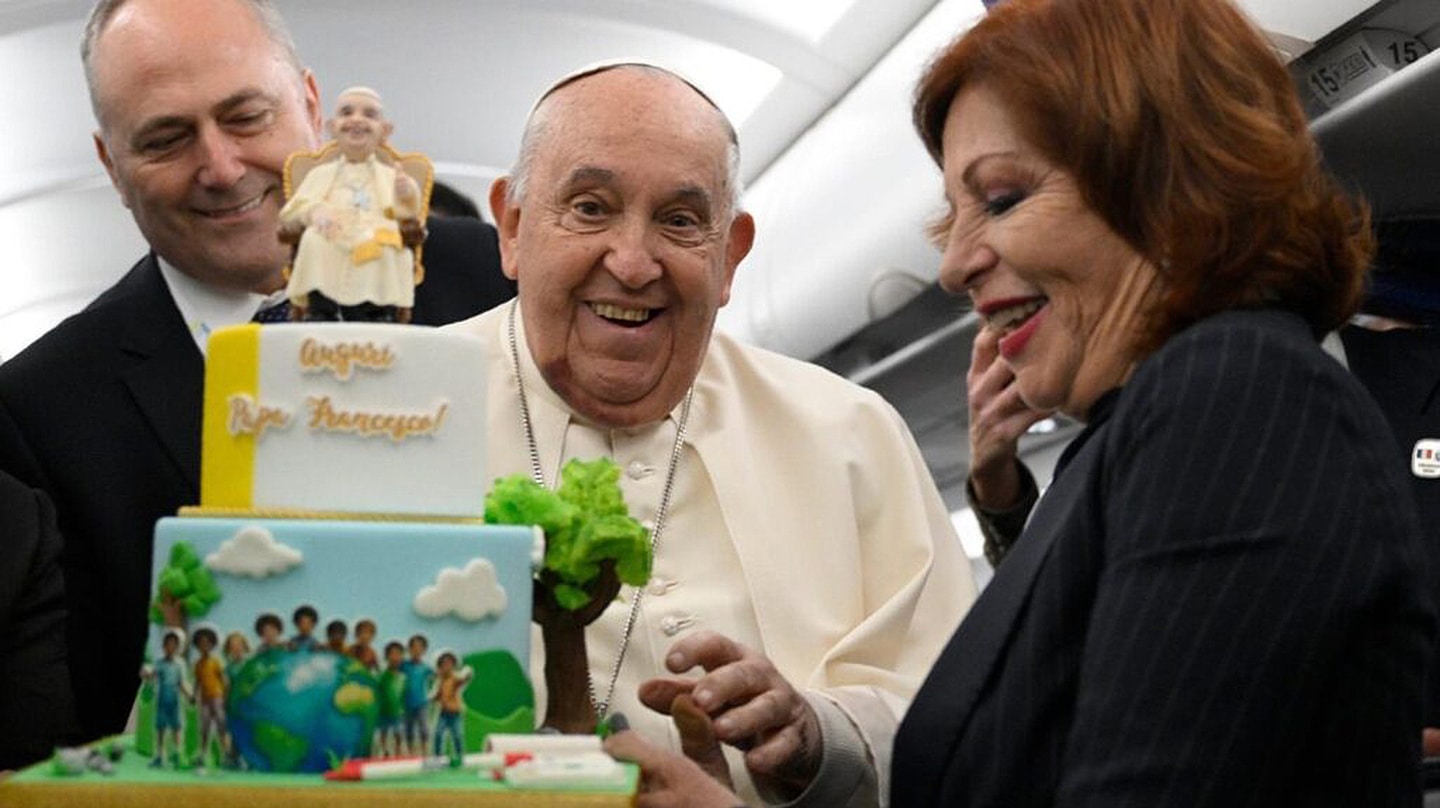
pixel 471 594
pixel 254 553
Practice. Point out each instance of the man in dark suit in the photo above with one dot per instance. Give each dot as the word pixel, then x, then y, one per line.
pixel 35 702
pixel 197 112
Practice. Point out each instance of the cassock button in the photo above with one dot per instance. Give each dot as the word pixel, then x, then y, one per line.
pixel 659 586
pixel 637 470
pixel 674 624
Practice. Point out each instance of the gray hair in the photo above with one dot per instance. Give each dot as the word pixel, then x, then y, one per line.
pixel 264 10
pixel 537 126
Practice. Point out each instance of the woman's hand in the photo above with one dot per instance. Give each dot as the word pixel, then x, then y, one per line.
pixel 997 420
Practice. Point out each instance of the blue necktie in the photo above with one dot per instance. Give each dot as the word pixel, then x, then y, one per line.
pixel 277 313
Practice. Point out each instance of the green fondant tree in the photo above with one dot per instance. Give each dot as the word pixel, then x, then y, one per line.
pixel 592 546
pixel 184 588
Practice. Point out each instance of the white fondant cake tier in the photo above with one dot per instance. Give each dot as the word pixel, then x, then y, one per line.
pixel 348 418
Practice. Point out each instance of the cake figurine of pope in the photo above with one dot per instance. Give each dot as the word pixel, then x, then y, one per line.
pixel 355 211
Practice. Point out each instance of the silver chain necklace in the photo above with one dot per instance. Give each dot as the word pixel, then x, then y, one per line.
pixel 537 473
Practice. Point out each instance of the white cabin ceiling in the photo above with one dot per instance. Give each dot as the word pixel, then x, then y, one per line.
pixel 458 77
pixel 819 90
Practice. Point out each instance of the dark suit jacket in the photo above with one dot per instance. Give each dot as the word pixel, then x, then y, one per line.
pixel 103 414
pixel 1401 369
pixel 35 702
pixel 462 272
pixel 1223 599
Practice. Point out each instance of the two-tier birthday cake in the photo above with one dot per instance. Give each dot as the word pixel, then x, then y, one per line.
pixel 335 596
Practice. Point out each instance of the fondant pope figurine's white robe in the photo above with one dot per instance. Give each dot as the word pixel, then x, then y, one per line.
pixel 364 261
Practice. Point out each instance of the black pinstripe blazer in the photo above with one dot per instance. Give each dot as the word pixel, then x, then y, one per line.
pixel 1221 600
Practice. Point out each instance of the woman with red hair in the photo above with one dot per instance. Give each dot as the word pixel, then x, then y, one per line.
pixel 1221 599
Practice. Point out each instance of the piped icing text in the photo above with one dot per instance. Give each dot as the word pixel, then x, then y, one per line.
pixel 341 358
pixel 322 413
pixel 248 417
pixel 325 417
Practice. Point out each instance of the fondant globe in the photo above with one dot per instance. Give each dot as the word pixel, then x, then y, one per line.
pixel 301 710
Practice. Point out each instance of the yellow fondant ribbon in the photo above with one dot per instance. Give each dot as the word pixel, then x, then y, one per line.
pixel 227 459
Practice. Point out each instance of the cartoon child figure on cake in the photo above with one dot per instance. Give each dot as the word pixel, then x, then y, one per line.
pixel 335 632
pixel 211 685
pixel 355 220
pixel 419 677
pixel 363 651
pixel 390 701
pixel 168 676
pixel 237 652
pixel 305 618
pixel 268 630
pixel 446 694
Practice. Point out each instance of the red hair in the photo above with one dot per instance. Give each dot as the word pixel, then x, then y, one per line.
pixel 1185 134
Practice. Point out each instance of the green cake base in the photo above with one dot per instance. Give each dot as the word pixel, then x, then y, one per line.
pixel 134 783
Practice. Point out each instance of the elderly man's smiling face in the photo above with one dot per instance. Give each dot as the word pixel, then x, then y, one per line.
pixel 625 242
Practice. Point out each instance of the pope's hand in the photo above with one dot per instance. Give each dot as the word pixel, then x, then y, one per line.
pixel 754 708
pixel 997 420
pixel 323 220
